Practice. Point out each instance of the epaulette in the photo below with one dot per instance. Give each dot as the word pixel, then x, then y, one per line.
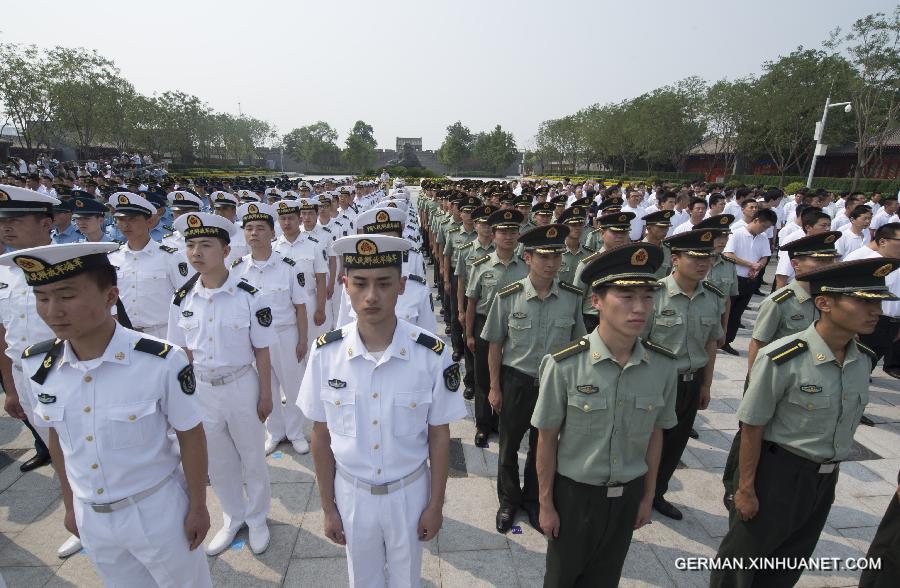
pixel 168 228
pixel 728 259
pixel 167 235
pixel 481 260
pixel 586 248
pixel 511 289
pixel 416 278
pixel 595 231
pixel 571 288
pixel 289 261
pixel 659 348
pixel 714 289
pixel 455 230
pixel 589 258
pixel 247 287
pixel 237 262
pixel 153 347
pixel 868 351
pixel 168 249
pixel 574 348
pixel 313 239
pixel 782 296
pixel 330 337
pixel 42 347
pixel 466 246
pixel 789 351
pixel 326 229
pixel 183 291
pixel 435 345
pixel 54 348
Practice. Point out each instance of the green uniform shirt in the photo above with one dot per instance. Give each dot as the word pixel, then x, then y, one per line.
pixel 808 403
pixel 684 324
pixel 456 238
pixel 594 239
pixel 605 412
pixel 723 275
pixel 469 253
pixel 444 229
pixel 570 263
pixel 529 327
pixel 786 311
pixel 586 306
pixel 487 277
pixel 665 268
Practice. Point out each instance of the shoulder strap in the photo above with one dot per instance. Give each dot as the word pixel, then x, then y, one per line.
pixel 571 288
pixel 782 296
pixel 714 289
pixel 247 287
pixel 289 261
pixel 659 348
pixel 153 347
pixel 50 359
pixel 575 347
pixel 430 342
pixel 868 351
pixel 512 288
pixel 788 351
pixel 481 260
pixel 330 337
pixel 168 249
pixel 183 291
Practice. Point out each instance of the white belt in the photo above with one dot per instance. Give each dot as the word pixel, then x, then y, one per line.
pixel 226 379
pixel 379 489
pixel 111 507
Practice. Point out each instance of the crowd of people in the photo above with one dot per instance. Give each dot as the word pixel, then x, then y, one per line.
pixel 583 315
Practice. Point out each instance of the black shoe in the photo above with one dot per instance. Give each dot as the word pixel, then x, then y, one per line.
pixel 727 348
pixel 34 463
pixel 864 420
pixel 534 516
pixel 694 434
pixel 893 372
pixel 758 292
pixel 666 508
pixel 447 330
pixel 469 393
pixel 481 439
pixel 505 519
pixel 457 355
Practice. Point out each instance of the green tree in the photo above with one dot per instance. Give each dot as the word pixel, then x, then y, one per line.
pixel 359 153
pixel 457 146
pixel 495 150
pixel 726 112
pixel 314 144
pixel 26 93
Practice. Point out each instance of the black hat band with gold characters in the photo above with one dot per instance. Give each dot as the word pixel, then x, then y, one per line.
pixel 197 230
pixel 367 256
pixel 253 214
pixel 39 273
pixel 285 208
pixel 383 224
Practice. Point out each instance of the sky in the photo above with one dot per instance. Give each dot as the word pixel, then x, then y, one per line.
pixel 411 68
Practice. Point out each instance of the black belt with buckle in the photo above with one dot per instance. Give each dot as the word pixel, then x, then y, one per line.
pixel 687 376
pixel 827 467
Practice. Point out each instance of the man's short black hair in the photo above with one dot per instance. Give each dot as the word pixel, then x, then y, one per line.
pixel 811 216
pixel 887 231
pixel 766 215
pixel 859 211
pixel 104 277
pixel 715 198
pixel 696 200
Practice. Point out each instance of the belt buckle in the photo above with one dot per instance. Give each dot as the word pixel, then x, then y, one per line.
pixel 687 377
pixel 614 491
pixel 102 508
pixel 827 468
pixel 379 490
pixel 220 381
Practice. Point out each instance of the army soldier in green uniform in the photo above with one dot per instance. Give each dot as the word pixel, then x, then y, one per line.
pixel 799 413
pixel 603 404
pixel 687 318
pixel 487 276
pixel 542 213
pixel 456 238
pixel 656 227
pixel 574 218
pixel 607 207
pixel 526 321
pixel 613 230
pixel 722 273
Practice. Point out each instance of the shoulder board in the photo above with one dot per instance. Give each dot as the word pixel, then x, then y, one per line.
pixel 868 351
pixel 169 228
pixel 714 289
pixel 54 351
pixel 589 258
pixel 330 337
pixel 153 347
pixel 289 261
pixel 466 246
pixel 237 262
pixel 167 235
pixel 586 248
pixel 313 239
pixel 416 278
pixel 326 229
pixel 168 249
pixel 782 296
pixel 455 230
pixel 571 288
pixel 435 345
pixel 511 289
pixel 183 291
pixel 481 260
pixel 573 348
pixel 247 287
pixel 659 348
pixel 595 231
pixel 789 351
pixel 42 347
pixel 728 259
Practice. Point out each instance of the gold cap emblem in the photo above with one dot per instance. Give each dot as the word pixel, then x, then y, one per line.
pixel 193 221
pixel 639 257
pixel 366 247
pixel 883 270
pixel 382 217
pixel 707 236
pixel 123 199
pixel 552 232
pixel 30 264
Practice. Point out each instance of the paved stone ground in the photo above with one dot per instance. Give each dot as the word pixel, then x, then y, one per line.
pixel 469 552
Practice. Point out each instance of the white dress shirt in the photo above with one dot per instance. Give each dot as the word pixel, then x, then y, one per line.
pixel 747 247
pixel 18 310
pixel 147 280
pixel 848 241
pixel 311 258
pixel 278 284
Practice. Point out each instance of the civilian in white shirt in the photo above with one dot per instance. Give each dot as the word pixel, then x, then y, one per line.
pixel 716 205
pixel 749 206
pixel 856 234
pixel 887 213
pixel 883 340
pixel 748 247
pixel 812 221
pixel 842 217
pixel 697 211
pixel 790 208
pixel 633 204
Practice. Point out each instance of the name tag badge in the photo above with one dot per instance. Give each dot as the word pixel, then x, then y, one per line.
pixel 337 383
pixel 668 312
pixel 519 315
pixel 811 388
pixel 615 491
pixel 797 317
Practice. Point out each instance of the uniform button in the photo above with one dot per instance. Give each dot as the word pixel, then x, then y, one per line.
pixel 375 395
pixel 376 446
pixel 337 402
pixel 21 316
pixel 99 490
pixel 94 466
pixel 413 405
pixel 378 471
pixel 587 407
pixel 89 438
pixel 46 418
pixel 88 378
pixel 375 422
pixel 809 406
pixel 649 407
pixel 131 417
pixel 621 403
pixel 87 409
pixel 210 338
pixel 615 460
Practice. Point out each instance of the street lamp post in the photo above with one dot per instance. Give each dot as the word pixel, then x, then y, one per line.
pixel 820 131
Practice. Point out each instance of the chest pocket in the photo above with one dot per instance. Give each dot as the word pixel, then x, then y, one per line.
pixel 643 416
pixel 235 331
pixel 340 411
pixel 191 328
pixel 561 332
pixel 586 413
pixel 410 412
pixel 51 415
pixel 519 330
pixel 810 412
pixel 128 425
pixel 668 322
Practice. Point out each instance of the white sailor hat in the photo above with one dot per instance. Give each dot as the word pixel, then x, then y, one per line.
pixel 287 206
pixel 249 196
pixel 52 263
pixel 256 211
pixel 220 198
pixel 380 220
pixel 371 251
pixel 195 225
pixel 392 203
pixel 308 203
pixel 184 200
pixel 15 201
pixel 131 203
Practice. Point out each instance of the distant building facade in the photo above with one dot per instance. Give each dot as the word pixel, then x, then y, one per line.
pixel 414 142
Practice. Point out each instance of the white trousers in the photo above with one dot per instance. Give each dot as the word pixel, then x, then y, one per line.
pixel 144 545
pixel 313 330
pixel 336 302
pixel 286 420
pixel 235 441
pixel 28 400
pixel 383 547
